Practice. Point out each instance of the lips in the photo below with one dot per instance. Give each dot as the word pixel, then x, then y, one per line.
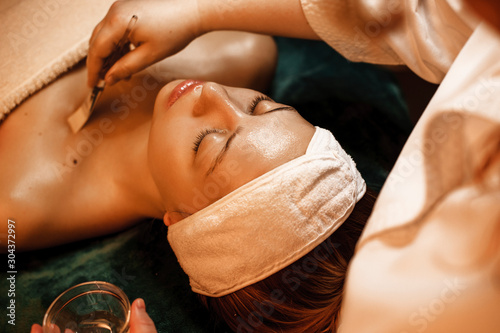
pixel 181 89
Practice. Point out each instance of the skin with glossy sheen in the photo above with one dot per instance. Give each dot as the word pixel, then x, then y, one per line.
pixel 128 163
pixel 221 138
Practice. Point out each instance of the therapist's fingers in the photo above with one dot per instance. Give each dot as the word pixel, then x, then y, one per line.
pixel 96 30
pixel 105 36
pixel 163 28
pixel 140 322
pixel 36 329
pixel 131 63
pixel 102 44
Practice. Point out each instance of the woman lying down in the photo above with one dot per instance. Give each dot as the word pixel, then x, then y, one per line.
pixel 217 163
pixel 428 259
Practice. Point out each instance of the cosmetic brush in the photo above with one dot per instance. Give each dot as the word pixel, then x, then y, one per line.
pixel 80 117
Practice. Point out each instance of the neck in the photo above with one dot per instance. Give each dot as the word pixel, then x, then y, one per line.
pixel 141 190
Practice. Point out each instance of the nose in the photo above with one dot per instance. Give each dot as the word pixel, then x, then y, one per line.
pixel 214 101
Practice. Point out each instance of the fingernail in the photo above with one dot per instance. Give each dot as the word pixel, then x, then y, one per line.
pixel 139 303
pixel 110 80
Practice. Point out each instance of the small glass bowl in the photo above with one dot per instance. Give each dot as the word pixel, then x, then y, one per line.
pixel 90 307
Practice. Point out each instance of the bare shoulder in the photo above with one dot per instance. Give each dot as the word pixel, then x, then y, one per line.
pixel 52 181
pixel 59 187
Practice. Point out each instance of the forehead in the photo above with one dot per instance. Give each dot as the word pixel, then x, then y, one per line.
pixel 257 150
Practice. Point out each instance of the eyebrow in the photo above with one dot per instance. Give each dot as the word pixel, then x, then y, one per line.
pixel 225 148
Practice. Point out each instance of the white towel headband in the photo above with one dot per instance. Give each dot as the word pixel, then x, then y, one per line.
pixel 270 222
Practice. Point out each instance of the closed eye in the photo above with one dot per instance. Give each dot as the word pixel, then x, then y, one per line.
pixel 251 110
pixel 202 135
pixel 255 102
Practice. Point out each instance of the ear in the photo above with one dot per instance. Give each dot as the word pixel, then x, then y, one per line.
pixel 171 218
pixel 167 219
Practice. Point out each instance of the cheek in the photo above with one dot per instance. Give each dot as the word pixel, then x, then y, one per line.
pixel 165 139
pixel 272 143
pixel 161 158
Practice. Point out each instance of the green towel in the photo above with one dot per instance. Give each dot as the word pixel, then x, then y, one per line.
pixel 360 103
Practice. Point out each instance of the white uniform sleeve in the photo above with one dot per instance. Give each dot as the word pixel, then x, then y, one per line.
pixel 429 257
pixel 424 35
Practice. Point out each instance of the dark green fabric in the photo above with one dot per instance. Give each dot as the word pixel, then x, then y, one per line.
pixel 360 103
pixel 139 261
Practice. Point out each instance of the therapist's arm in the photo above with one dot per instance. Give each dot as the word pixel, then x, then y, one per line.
pixel 165 27
pixel 271 17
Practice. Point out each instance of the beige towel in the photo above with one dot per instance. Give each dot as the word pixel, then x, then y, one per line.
pixel 41 39
pixel 270 222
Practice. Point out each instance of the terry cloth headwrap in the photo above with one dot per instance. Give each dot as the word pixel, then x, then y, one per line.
pixel 270 222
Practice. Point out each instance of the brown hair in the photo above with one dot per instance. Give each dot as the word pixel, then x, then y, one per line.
pixel 303 297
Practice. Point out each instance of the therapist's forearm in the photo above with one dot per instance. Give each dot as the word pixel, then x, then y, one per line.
pixel 272 17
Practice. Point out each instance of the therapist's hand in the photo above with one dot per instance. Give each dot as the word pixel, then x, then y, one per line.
pixel 140 322
pixel 163 28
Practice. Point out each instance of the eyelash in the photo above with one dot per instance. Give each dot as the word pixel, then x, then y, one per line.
pixel 205 132
pixel 201 136
pixel 256 101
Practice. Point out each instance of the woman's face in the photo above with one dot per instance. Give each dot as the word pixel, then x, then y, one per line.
pixel 207 140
